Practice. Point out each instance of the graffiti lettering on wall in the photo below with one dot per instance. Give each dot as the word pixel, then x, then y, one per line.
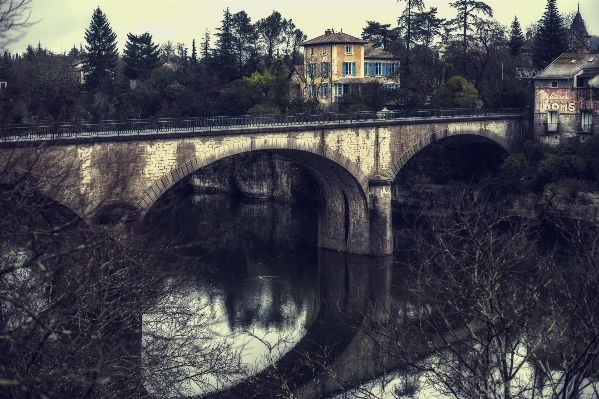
pixel 565 101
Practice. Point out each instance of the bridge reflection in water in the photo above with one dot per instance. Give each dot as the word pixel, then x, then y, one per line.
pixel 290 308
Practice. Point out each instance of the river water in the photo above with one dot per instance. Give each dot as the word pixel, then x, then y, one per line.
pixel 256 286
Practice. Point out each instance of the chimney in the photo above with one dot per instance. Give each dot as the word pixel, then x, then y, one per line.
pixel 327 32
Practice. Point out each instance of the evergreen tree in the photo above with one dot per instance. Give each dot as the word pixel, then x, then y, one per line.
pixel 181 51
pixel 516 38
pixel 271 29
pixel 74 52
pixel 551 40
pixel 29 53
pixel 140 56
pixel 242 30
pixel 407 19
pixel 224 57
pixel 5 66
pixel 380 35
pixel 100 52
pixel 427 26
pixel 205 46
pixel 467 19
pixel 194 53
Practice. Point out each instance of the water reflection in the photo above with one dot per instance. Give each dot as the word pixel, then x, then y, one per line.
pixel 456 312
pixel 251 283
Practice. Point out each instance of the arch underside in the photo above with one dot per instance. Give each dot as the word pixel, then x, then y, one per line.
pixel 47 188
pixel 343 218
pixel 439 135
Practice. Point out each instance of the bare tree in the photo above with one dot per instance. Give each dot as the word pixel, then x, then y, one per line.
pixel 90 310
pixel 489 307
pixel 14 18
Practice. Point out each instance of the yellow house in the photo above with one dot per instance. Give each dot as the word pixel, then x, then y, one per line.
pixel 337 64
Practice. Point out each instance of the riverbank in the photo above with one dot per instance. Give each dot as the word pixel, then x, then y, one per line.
pixel 557 201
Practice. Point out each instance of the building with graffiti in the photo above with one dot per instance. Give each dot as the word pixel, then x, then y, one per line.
pixel 567 98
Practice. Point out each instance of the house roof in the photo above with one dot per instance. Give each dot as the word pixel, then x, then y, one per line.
pixel 334 37
pixel 567 65
pixel 371 52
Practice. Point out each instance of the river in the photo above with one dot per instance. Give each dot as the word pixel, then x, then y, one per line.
pixel 257 288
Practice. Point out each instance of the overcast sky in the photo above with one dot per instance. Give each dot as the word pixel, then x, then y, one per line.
pixel 62 23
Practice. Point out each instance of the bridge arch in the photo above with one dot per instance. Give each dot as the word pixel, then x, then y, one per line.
pixel 47 188
pixel 444 133
pixel 344 216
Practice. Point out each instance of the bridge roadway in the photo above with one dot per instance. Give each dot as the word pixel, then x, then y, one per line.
pixel 121 168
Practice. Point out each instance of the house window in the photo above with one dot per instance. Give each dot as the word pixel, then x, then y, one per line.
pixel 339 89
pixel 553 84
pixel 349 69
pixel 324 69
pixel 366 69
pixel 324 50
pixel 2 85
pixel 586 121
pixel 349 50
pixel 394 68
pixel 311 90
pixel 311 50
pixel 580 81
pixel 552 121
pixel 324 90
pixel 312 70
pixel 378 69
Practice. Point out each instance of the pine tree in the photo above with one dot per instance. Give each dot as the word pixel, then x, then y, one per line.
pixel 100 52
pixel 194 53
pixel 242 30
pixel 224 57
pixel 272 30
pixel 205 46
pixel 5 66
pixel 516 38
pixel 466 18
pixel 551 40
pixel 29 53
pixel 407 19
pixel 140 56
pixel 74 52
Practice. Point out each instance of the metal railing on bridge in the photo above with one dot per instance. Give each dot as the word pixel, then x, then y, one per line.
pixel 131 127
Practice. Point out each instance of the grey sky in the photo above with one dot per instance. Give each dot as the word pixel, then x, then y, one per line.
pixel 63 22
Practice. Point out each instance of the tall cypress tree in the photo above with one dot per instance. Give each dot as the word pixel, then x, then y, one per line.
pixel 551 40
pixel 100 52
pixel 194 52
pixel 516 38
pixel 140 56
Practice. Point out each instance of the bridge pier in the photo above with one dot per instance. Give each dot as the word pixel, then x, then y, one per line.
pixel 380 217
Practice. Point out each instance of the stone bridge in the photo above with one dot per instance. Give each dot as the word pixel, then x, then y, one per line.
pixel 354 161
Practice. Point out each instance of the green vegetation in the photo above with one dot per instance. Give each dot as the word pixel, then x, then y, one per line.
pixel 456 93
pixel 444 63
pixel 573 167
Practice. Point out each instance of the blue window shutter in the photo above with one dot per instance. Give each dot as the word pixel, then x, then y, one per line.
pixel 386 69
pixel 344 68
pixel 353 69
pixel 371 66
